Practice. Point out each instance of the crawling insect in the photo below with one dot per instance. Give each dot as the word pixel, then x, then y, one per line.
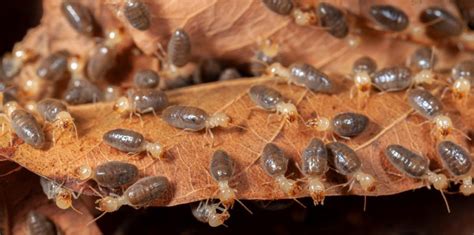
pixel 440 24
pixel 79 17
pixel 414 166
pixel 25 125
pixel 14 62
pixel 304 75
pixel 61 196
pixel 458 161
pixel 428 106
pixel 288 8
pixel 140 194
pixel 132 142
pixel 102 57
pixel 146 78
pixel 390 18
pixel 206 212
pixel 362 69
pixel 275 164
pixel 345 125
pixel 80 90
pixel 111 174
pixel 270 99
pixel 314 166
pixel 141 101
pixel 392 79
pixel 53 67
pixel 137 14
pixel 346 162
pixel 40 224
pixel 332 19
pixel 56 112
pixel 463 75
pixel 423 60
pixel 265 55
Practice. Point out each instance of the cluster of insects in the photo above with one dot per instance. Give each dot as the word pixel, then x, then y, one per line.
pixel 33 122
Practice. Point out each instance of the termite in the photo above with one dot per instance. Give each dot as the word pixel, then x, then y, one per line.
pixel 111 174
pixel 80 90
pixel 54 67
pixel 137 14
pixel 14 62
pixel 146 78
pixel 207 212
pixel 141 101
pixel 25 125
pixel 275 164
pixel 40 224
pixel 458 161
pixel 102 58
pixel 362 69
pixel 344 125
pixel 314 165
pixel 140 194
pixel 389 17
pixel 346 162
pixel 61 196
pixel 332 19
pixel 132 142
pixel 79 17
pixel 56 112
pixel 463 75
pixel 272 100
pixel 392 79
pixel 430 107
pixel 440 24
pixel 423 60
pixel 304 75
pixel 288 8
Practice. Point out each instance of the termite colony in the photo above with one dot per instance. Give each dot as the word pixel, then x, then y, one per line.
pixel 335 149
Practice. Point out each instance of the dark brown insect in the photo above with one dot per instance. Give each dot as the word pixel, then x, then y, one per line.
pixel 282 7
pixel 179 48
pixel 146 78
pixel 193 118
pixel 39 224
pixel 229 74
pixel 310 77
pixel 207 212
pixel 27 127
pixel 346 162
pixel 332 19
pixel 137 14
pixel 314 166
pixel 392 79
pixel 344 124
pixel 414 165
pixel 275 164
pixel 142 193
pixel 270 99
pixel 466 7
pixel 140 101
pixel 389 17
pixel 53 67
pixel 79 17
pixel 111 174
pixel 440 23
pixel 132 142
pixel 82 91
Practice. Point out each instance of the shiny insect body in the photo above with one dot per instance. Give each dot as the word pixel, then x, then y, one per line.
pixel 345 125
pixel 272 100
pixel 208 212
pixel 314 165
pixel 78 16
pixel 389 17
pixel 141 101
pixel 103 56
pixel 40 224
pixel 132 142
pixel 62 197
pixel 25 125
pixel 111 174
pixel 459 163
pixel 275 164
pixel 304 75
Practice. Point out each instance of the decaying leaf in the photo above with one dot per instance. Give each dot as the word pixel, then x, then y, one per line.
pixel 229 30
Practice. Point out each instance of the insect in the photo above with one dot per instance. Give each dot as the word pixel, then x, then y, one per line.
pixel 345 125
pixel 14 62
pixel 392 79
pixel 275 164
pixel 346 162
pixel 146 78
pixel 414 166
pixel 440 23
pixel 458 161
pixel 304 75
pixel 54 67
pixel 56 112
pixel 207 212
pixel 463 75
pixel 423 60
pixel 362 69
pixel 80 90
pixel 389 17
pixel 332 19
pixel 40 224
pixel 140 194
pixel 287 8
pixel 229 74
pixel 314 166
pixel 102 58
pixel 141 101
pixel 272 100
pixel 132 142
pixel 111 174
pixel 137 14
pixel 265 55
pixel 79 17
pixel 428 106
pixel 25 125
pixel 61 196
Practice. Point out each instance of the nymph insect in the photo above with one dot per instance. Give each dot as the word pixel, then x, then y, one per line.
pixel 345 125
pixel 61 196
pixel 346 162
pixel 207 212
pixel 132 142
pixel 392 79
pixel 146 78
pixel 332 19
pixel 53 67
pixel 25 125
pixel 102 58
pixel 141 101
pixel 275 164
pixel 137 14
pixel 440 24
pixel 314 165
pixel 362 69
pixel 80 90
pixel 390 18
pixel 56 112
pixel 423 60
pixel 265 55
pixel 458 161
pixel 111 174
pixel 79 17
pixel 270 99
pixel 304 75
pixel 40 224
pixel 14 62
pixel 463 75
pixel 287 8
